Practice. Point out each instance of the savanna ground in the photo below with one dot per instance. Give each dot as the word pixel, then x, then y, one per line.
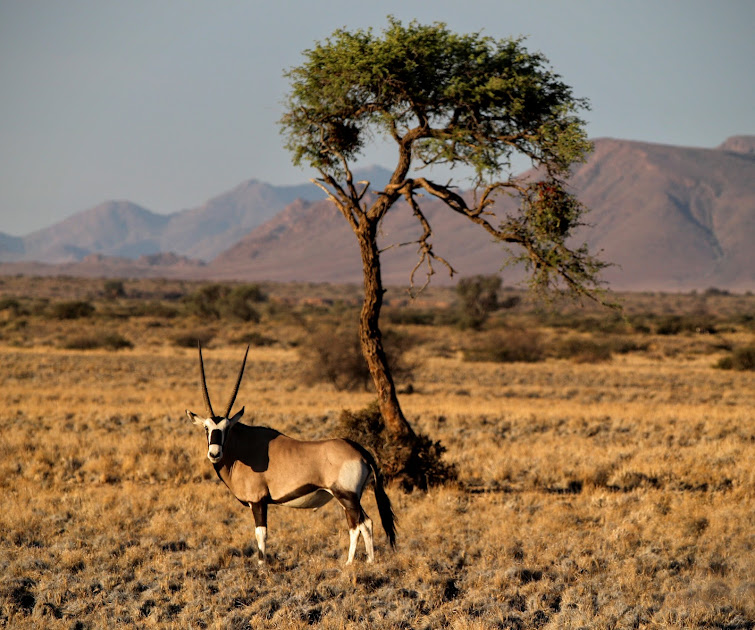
pixel 597 488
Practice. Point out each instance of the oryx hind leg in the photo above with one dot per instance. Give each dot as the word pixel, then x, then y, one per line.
pixel 359 523
pixel 365 527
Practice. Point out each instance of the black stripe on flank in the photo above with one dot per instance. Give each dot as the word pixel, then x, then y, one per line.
pixel 302 491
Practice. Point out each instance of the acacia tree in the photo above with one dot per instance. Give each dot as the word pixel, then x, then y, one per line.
pixel 444 99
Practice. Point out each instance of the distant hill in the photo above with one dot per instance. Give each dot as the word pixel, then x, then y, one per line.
pixel 670 218
pixel 124 229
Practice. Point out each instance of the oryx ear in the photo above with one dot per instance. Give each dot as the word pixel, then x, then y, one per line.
pixel 194 417
pixel 237 417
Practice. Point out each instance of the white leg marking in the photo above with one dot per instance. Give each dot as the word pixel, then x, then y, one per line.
pixel 353 537
pixel 366 530
pixel 260 533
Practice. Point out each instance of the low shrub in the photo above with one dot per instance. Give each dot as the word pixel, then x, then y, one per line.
pixel 476 299
pixel 422 468
pixel 108 341
pixel 511 346
pixel 742 359
pixel 155 308
pixel 334 355
pixel 581 350
pixel 114 289
pixel 257 340
pixel 410 316
pixel 677 324
pixel 189 339
pixel 216 301
pixel 74 309
pixel 12 305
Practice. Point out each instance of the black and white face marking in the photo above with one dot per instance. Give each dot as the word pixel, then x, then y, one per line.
pixel 216 430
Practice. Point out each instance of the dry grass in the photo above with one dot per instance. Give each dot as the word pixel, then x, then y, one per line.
pixel 617 494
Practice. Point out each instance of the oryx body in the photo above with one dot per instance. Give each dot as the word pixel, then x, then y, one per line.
pixel 263 467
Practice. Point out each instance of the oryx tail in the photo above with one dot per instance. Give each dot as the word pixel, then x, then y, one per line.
pixel 385 509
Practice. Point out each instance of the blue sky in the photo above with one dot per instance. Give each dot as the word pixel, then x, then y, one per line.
pixel 167 103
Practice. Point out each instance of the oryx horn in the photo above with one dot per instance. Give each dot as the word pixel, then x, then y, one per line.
pixel 236 389
pixel 205 393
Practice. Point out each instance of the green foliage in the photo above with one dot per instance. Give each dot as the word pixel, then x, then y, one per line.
pixel 477 100
pixel 423 468
pixel 453 99
pixel 477 299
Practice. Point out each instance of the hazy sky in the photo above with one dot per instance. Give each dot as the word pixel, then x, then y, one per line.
pixel 167 103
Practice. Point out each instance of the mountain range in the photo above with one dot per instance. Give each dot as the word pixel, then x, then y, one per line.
pixel 669 218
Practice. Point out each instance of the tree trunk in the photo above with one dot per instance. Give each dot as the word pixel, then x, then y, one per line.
pixel 371 338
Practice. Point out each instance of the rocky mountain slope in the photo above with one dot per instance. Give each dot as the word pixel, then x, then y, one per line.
pixel 669 218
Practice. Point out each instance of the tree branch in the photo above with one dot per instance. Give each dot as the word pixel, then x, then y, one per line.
pixel 425 247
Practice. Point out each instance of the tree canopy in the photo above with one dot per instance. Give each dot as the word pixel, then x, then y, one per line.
pixel 455 100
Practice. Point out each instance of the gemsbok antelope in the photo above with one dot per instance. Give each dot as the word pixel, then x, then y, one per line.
pixel 263 467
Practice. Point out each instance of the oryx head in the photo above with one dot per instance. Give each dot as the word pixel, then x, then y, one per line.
pixel 217 427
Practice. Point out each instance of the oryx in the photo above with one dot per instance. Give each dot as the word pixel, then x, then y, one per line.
pixel 263 467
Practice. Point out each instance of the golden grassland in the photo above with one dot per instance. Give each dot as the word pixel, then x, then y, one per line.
pixel 611 494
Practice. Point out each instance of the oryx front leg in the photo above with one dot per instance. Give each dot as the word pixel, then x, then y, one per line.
pixel 260 529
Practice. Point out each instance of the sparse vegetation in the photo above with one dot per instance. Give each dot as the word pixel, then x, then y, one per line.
pixel 587 495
